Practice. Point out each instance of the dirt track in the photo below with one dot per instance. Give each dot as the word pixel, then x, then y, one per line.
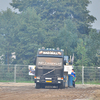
pixel 27 91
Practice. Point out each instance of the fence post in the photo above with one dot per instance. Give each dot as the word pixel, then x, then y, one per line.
pixel 82 74
pixel 31 78
pixel 15 73
pixel 99 74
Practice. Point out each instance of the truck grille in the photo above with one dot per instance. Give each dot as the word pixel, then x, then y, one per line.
pixel 50 72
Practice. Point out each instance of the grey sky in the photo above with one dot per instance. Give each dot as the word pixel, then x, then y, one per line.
pixel 94 10
pixel 4 4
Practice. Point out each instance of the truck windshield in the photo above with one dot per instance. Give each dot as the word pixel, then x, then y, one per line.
pixel 49 61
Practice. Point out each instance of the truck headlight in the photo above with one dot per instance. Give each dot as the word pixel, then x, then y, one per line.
pixel 38 81
pixel 60 78
pixel 59 81
pixel 38 78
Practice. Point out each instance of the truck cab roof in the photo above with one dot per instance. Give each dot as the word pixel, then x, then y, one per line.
pixel 49 53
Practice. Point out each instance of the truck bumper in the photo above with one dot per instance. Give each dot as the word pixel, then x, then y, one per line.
pixel 49 81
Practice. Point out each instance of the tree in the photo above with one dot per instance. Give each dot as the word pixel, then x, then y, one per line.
pixel 93 45
pixel 21 33
pixel 49 23
pixel 8 26
pixel 67 37
pixel 1 50
pixel 31 36
pixel 56 11
pixel 81 52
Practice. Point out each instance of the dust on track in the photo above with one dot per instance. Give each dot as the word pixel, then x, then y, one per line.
pixel 27 91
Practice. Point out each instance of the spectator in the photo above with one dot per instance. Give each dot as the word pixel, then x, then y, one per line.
pixel 74 77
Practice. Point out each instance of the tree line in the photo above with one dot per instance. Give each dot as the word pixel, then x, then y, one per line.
pixel 48 23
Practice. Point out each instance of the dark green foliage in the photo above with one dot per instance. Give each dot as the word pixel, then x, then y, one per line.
pixel 8 31
pixel 78 71
pixel 92 47
pixel 56 11
pixel 67 37
pixel 49 23
pixel 30 36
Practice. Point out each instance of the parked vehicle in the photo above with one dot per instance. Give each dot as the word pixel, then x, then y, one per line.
pixel 49 68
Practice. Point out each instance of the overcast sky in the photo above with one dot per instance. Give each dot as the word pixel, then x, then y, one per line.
pixel 94 9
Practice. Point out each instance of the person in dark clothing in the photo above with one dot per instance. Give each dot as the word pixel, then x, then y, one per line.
pixel 74 77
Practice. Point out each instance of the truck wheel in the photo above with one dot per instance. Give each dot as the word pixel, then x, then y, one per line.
pixel 43 86
pixel 60 86
pixel 37 86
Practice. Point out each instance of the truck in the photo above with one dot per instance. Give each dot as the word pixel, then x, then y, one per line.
pixel 49 69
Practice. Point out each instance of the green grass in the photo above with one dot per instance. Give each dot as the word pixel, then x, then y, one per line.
pixel 32 81
pixel 78 82
pixel 88 82
pixel 24 81
pixel 92 82
pixel 6 81
pixel 17 81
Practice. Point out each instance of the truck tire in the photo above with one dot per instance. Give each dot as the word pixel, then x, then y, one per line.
pixel 38 85
pixel 60 86
pixel 43 86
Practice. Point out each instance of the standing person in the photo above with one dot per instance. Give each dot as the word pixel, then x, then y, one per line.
pixel 74 77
